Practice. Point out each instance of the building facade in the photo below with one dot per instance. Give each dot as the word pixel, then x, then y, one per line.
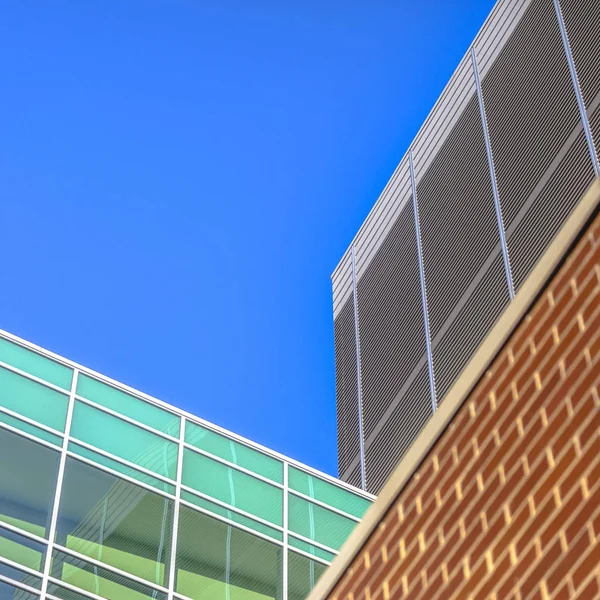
pixel 107 493
pixel 497 167
pixel 499 496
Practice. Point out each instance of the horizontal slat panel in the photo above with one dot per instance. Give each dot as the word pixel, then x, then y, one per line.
pixel 443 117
pixel 475 315
pixel 496 30
pixel 393 199
pixel 398 432
pixel 346 386
pixel 392 330
pixel 459 229
pixel 532 111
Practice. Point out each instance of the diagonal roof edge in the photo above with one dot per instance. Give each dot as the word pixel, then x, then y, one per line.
pixel 489 348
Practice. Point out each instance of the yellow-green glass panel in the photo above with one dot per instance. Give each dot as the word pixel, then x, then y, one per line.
pixel 232 486
pixel 33 400
pixel 124 440
pixel 97 580
pixel 128 405
pixel 217 561
pixel 303 574
pixel 35 364
pixel 21 549
pixel 115 521
pixel 234 452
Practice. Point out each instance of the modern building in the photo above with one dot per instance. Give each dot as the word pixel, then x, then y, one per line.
pixel 499 496
pixel 495 170
pixel 108 493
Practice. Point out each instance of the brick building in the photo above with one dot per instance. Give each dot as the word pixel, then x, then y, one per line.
pixel 499 496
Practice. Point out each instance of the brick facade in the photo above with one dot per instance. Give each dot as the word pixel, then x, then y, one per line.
pixel 506 502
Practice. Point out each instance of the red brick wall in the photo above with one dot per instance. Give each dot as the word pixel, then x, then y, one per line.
pixel 507 502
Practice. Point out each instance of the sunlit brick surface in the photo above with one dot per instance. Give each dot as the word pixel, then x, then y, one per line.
pixel 507 502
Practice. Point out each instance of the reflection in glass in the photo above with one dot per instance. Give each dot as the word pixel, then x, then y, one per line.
pixel 317 523
pixel 235 452
pixel 216 561
pixel 97 580
pixel 116 522
pixel 28 483
pixel 9 592
pixel 303 573
pixel 233 487
pixel 124 440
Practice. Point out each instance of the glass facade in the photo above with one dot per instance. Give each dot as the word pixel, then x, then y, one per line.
pixel 106 493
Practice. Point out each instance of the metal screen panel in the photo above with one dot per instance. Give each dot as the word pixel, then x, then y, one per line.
pixel 398 431
pixel 582 21
pixel 391 319
pixel 532 115
pixel 474 316
pixel 346 387
pixel 460 237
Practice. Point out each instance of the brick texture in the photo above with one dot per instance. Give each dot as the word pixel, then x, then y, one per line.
pixel 506 505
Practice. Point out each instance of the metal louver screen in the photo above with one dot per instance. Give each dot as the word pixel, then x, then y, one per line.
pixel 354 477
pixel 346 383
pixel 533 122
pixel 459 236
pixel 582 21
pixel 398 432
pixel 392 330
pixel 474 318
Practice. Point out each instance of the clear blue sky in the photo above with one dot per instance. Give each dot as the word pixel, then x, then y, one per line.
pixel 179 179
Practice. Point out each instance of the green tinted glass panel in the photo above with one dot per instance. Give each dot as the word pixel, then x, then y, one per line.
pixel 317 523
pixel 33 400
pixel 27 482
pixel 10 591
pixel 216 561
pixel 35 364
pixel 327 492
pixel 97 580
pixel 64 593
pixel 310 549
pixel 128 405
pixel 114 521
pixel 21 576
pixel 231 515
pixel 234 452
pixel 124 440
pixel 31 429
pixel 303 574
pixel 233 487
pixel 21 550
pixel 121 468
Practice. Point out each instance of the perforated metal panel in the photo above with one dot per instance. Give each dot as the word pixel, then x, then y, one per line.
pixel 391 321
pixel 346 382
pixel 398 431
pixel 582 21
pixel 533 119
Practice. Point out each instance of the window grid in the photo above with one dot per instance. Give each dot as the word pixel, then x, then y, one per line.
pixel 52 546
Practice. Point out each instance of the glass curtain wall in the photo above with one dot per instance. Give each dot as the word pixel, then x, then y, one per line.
pixel 107 494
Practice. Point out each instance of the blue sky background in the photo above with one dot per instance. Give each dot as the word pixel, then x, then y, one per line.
pixel 179 179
